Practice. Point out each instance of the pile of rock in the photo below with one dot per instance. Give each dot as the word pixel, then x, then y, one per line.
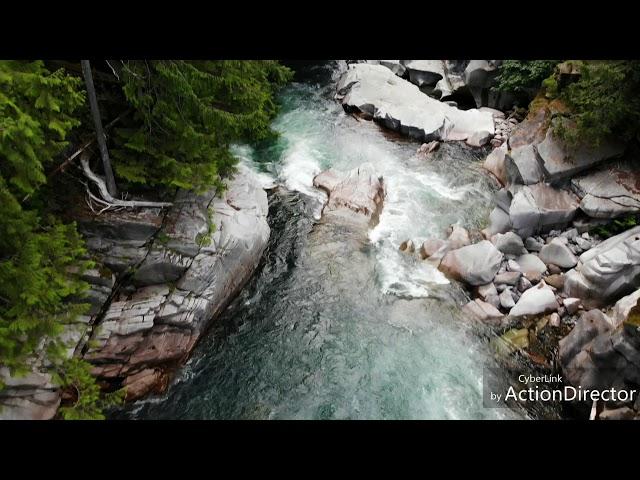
pixel 509 277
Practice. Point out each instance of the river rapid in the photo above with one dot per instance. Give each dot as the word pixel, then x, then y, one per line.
pixel 336 325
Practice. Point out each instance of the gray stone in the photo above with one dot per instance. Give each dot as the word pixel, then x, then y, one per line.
pixel 554 320
pixel 507 278
pixel 524 284
pixel 483 291
pixel 559 254
pixel 513 266
pixel 424 72
pixel 458 238
pixel 474 264
pixel 582 243
pixel 609 192
pixel 508 243
pixel 537 300
pixel 493 300
pixel 560 161
pixel 571 304
pixel 479 139
pixel 608 271
pixel 522 166
pixel 533 245
pixel 399 105
pixel 539 208
pixel 360 190
pixel 431 246
pixel 506 299
pixel 531 263
pixel 483 312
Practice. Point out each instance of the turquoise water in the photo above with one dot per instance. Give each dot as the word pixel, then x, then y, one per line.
pixel 339 324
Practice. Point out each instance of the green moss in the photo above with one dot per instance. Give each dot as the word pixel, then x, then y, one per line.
pixel 616 226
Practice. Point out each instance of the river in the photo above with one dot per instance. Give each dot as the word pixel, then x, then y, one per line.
pixel 336 325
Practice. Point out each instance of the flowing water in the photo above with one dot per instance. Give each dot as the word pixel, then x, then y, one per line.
pixel 338 324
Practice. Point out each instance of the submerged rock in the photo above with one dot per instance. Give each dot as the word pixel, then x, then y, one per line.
pixel 361 190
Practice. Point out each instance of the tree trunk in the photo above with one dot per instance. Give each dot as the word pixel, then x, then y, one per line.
pixel 102 143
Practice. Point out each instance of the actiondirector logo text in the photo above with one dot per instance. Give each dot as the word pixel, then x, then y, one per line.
pixel 545 388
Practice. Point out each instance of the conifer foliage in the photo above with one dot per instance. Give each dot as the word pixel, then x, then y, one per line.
pixel 187 114
pixel 37 252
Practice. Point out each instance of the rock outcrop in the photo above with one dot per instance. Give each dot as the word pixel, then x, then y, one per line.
pixel 609 192
pixel 360 191
pixel 608 271
pixel 400 105
pixel 600 353
pixel 175 273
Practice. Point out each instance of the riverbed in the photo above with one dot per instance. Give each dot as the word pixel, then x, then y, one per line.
pixel 337 324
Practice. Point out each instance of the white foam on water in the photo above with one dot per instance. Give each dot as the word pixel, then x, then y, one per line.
pixel 244 153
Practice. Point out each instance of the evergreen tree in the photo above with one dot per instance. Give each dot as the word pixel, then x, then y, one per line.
pixel 40 257
pixel 36 252
pixel 604 101
pixel 187 114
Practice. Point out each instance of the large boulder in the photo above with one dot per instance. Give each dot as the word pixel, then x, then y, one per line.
pixel 522 166
pixel 597 354
pixel 540 208
pixel 360 190
pixel 560 161
pixel 399 105
pixel 608 271
pixel 609 192
pixel 424 72
pixel 538 300
pixel 474 264
pixel 458 238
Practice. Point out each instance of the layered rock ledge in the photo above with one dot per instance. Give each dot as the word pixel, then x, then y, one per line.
pixel 161 281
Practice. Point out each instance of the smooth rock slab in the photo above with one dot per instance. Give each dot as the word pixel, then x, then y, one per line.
pixel 610 192
pixel 560 161
pixel 608 271
pixel 401 106
pixel 474 264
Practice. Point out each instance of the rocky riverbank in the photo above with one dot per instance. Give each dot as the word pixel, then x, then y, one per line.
pixel 536 265
pixel 161 278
